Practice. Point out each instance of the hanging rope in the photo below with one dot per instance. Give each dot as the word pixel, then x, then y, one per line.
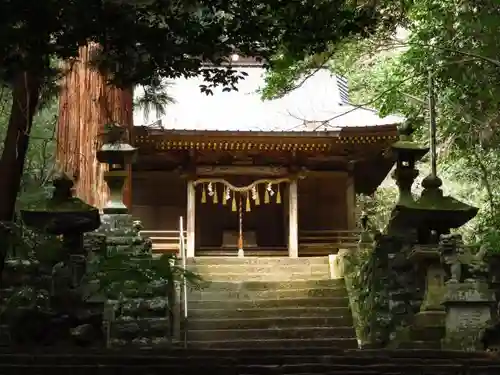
pixel 241 189
pixel 233 207
pixel 240 224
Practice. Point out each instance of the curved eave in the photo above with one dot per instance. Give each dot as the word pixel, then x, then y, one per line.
pixel 171 139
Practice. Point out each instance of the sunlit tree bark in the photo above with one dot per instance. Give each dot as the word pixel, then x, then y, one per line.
pixel 87 103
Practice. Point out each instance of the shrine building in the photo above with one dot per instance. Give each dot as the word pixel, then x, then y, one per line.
pixel 253 177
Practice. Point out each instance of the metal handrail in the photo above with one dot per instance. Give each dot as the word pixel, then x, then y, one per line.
pixel 182 251
pixel 161 231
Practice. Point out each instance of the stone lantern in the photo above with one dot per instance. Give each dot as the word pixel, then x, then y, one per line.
pixel 118 155
pixel 437 215
pixel 70 218
pixel 405 214
pixel 407 153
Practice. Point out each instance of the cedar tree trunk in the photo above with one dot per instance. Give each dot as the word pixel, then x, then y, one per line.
pixel 86 104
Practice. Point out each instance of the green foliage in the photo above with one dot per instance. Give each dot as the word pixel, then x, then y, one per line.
pixel 25 243
pixel 30 254
pixel 366 293
pixel 154 97
pixel 378 207
pixel 458 42
pixel 120 274
pixel 156 38
pixel 139 42
pixel 41 152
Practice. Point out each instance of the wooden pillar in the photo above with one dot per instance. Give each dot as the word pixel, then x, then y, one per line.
pixel 191 218
pixel 293 217
pixel 350 194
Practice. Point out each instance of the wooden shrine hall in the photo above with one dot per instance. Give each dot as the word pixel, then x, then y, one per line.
pixel 247 181
pixel 275 191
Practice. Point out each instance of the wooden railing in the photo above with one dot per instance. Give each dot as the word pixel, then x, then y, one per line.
pixel 165 241
pixel 311 242
pixel 323 242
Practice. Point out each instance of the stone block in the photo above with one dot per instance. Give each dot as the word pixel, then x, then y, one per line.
pixel 468 293
pixel 94 243
pixel 145 308
pixel 113 222
pixel 468 314
pixel 130 329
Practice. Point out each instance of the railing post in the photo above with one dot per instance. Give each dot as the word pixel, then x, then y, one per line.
pixel 191 218
pixel 184 297
pixel 177 312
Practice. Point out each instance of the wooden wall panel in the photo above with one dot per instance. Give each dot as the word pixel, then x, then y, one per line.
pixel 266 220
pixel 86 104
pixel 159 200
pixel 322 201
pixel 146 214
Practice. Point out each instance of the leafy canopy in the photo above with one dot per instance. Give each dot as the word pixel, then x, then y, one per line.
pixel 458 41
pixel 141 39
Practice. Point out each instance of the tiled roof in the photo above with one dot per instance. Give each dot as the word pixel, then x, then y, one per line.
pixel 303 110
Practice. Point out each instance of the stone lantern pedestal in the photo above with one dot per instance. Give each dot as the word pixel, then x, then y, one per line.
pixel 115 181
pixel 468 314
pixel 429 321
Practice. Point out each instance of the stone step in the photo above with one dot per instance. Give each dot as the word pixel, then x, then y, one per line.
pixel 282 312
pixel 302 269
pixel 271 333
pixel 266 322
pixel 261 355
pixel 337 343
pixel 265 276
pixel 335 368
pixel 153 369
pixel 270 303
pixel 266 261
pixel 209 294
pixel 421 344
pixel 427 334
pixel 271 285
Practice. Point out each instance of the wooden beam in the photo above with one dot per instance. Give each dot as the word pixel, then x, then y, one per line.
pixel 241 170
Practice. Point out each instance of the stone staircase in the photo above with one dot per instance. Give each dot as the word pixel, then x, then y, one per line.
pixel 268 302
pixel 250 362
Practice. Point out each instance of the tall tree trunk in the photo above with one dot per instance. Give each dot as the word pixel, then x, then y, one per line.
pixel 86 104
pixel 25 97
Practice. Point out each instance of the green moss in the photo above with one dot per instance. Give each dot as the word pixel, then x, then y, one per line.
pixel 443 203
pixel 409 145
pixel 53 205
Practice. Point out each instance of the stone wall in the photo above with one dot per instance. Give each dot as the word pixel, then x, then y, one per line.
pixel 387 286
pixel 32 315
pixel 386 289
pixel 136 296
pixel 120 274
pixel 494 281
